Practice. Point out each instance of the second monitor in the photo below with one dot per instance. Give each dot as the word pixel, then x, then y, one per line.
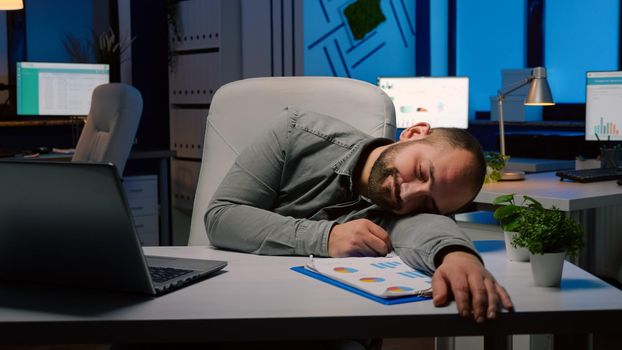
pixel 440 101
pixel 603 97
pixel 57 89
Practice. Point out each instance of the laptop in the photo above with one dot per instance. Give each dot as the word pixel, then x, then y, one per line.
pixel 70 224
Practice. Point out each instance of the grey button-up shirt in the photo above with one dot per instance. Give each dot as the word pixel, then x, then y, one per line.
pixel 285 192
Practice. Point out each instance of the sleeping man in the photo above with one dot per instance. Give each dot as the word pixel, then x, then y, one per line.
pixel 315 185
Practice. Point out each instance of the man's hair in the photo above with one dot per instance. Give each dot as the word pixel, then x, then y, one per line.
pixel 461 139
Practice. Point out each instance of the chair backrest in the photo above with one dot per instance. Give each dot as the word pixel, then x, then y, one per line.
pixel 110 128
pixel 242 109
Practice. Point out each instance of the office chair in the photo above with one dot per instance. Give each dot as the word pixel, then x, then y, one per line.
pixel 111 125
pixel 242 109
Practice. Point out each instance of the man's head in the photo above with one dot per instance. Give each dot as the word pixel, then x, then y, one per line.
pixel 428 170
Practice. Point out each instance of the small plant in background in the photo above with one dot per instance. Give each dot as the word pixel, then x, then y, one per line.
pixel 104 47
pixel 78 50
pixel 108 48
pixel 495 162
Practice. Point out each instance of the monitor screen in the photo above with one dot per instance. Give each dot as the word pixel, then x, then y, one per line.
pixel 61 89
pixel 440 101
pixel 603 98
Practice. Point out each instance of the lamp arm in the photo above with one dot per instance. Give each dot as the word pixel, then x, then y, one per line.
pixel 500 97
pixel 515 86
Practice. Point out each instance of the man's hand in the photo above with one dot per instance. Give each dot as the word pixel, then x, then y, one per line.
pixel 358 238
pixel 475 290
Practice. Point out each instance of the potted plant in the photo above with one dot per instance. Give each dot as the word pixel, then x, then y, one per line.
pixel 549 235
pixel 508 216
pixel 495 162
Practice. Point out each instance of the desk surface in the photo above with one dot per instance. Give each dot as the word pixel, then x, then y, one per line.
pixel 537 165
pixel 134 154
pixel 566 195
pixel 259 298
pixel 43 122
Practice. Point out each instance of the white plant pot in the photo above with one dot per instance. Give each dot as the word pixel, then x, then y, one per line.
pixel 547 268
pixel 514 254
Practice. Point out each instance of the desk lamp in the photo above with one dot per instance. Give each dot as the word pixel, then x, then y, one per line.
pixel 539 95
pixel 11 4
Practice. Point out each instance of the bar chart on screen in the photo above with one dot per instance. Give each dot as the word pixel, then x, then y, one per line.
pixel 603 98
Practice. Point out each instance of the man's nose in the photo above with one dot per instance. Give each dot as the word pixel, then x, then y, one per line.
pixel 414 188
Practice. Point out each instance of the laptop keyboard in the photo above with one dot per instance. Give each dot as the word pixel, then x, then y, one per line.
pixel 591 175
pixel 163 274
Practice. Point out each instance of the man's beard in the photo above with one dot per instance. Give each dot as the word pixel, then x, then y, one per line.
pixel 382 169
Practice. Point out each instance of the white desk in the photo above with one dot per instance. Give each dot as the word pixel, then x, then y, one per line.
pixel 259 298
pixel 537 165
pixel 566 195
pixel 597 206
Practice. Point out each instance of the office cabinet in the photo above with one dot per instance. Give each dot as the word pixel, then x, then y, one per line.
pixel 187 132
pixel 198 25
pixel 185 175
pixel 195 78
pixel 206 53
pixel 142 197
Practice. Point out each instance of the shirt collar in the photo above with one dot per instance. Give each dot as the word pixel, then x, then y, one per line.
pixel 346 164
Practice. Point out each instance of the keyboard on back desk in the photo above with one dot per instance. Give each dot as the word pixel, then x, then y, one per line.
pixel 590 175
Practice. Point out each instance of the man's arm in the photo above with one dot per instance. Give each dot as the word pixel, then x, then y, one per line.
pixel 240 216
pixel 419 239
pixel 435 244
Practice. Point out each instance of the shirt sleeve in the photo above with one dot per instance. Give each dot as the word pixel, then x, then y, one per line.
pixel 417 239
pixel 240 215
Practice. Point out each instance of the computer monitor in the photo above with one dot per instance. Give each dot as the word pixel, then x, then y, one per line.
pixel 440 101
pixel 57 89
pixel 603 106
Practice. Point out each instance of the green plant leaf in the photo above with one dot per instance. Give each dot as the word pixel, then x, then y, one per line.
pixel 495 160
pixel 505 211
pixel 532 202
pixel 504 198
pixel 512 226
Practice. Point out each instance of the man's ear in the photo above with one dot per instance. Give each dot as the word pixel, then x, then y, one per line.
pixel 416 132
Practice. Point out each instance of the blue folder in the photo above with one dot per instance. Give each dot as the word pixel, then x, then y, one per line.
pixel 481 246
pixel 386 301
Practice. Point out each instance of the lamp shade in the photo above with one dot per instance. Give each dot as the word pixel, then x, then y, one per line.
pixel 539 91
pixel 11 4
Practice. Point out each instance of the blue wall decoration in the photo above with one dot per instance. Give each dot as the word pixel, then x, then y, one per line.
pixel 340 41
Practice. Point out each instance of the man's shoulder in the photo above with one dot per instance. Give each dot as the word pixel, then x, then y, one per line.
pixel 326 126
